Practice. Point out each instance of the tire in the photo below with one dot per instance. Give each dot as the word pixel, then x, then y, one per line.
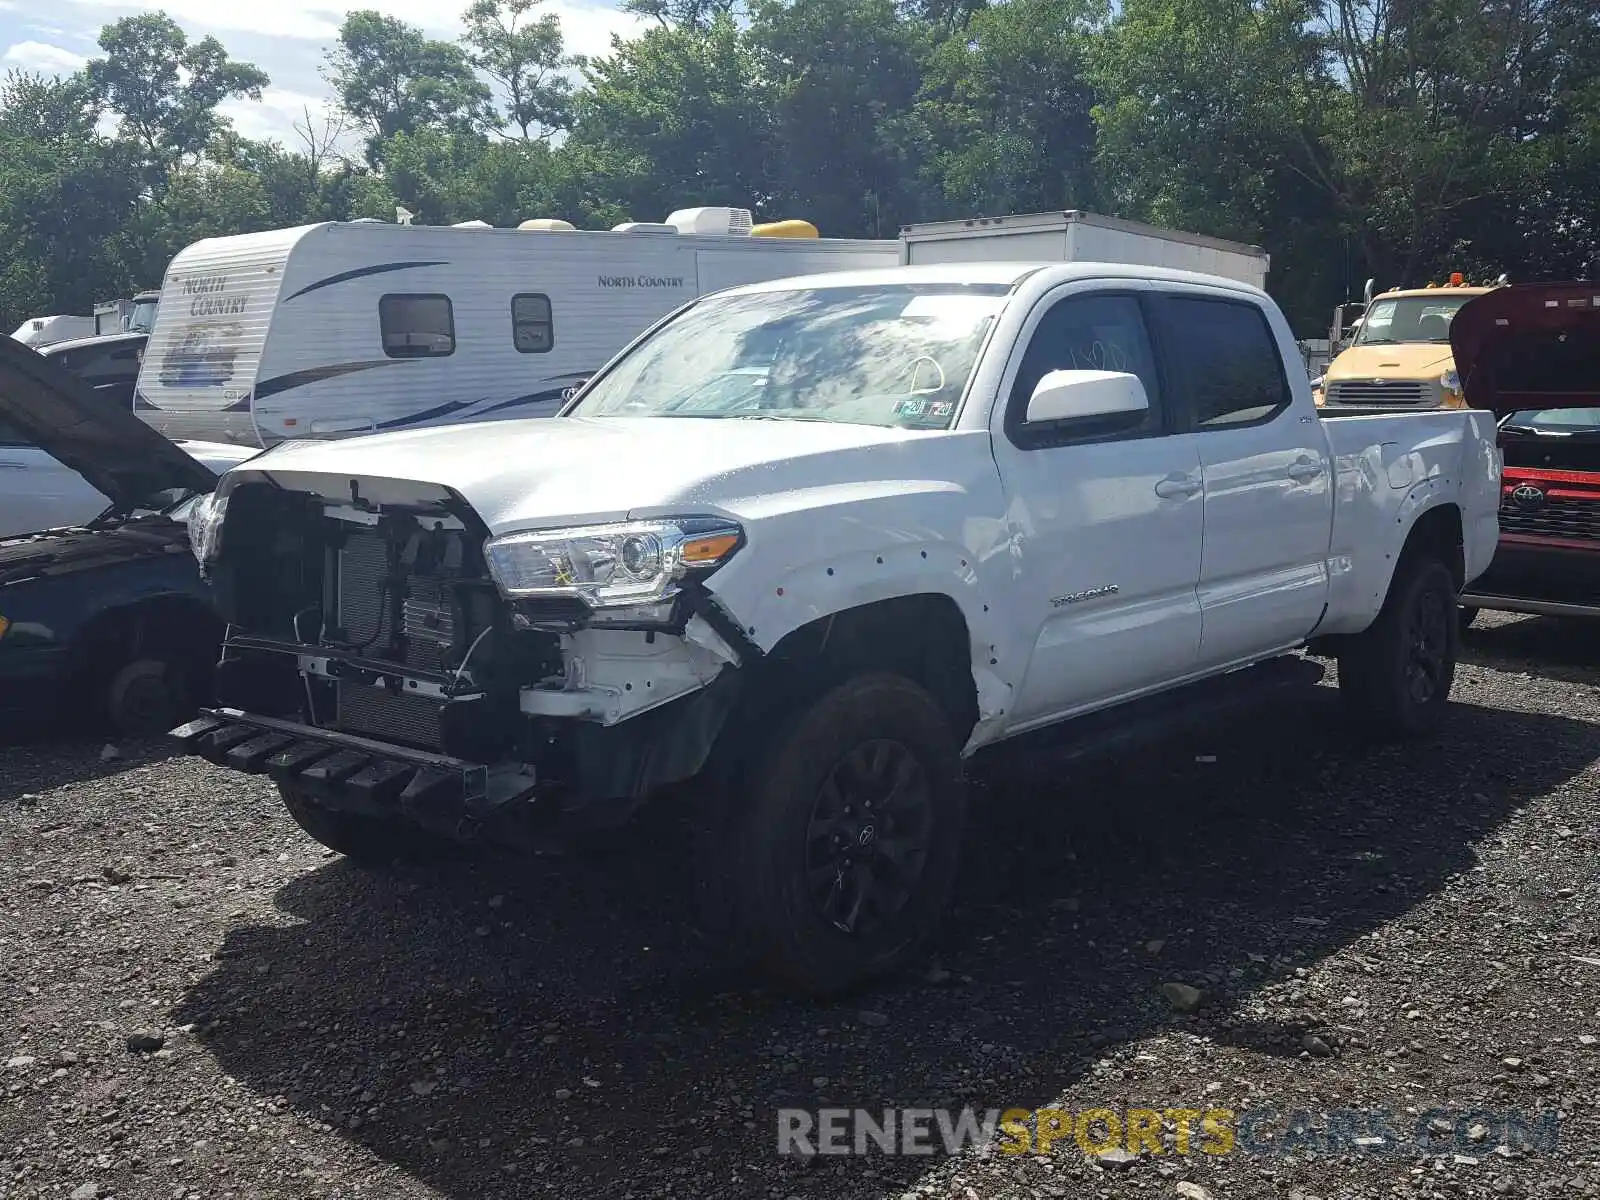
pixel 867 775
pixel 1466 617
pixel 370 841
pixel 1395 677
pixel 148 696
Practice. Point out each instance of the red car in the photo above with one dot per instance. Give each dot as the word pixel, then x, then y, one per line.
pixel 1531 352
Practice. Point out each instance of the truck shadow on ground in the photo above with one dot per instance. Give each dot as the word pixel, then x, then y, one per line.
pixel 506 1029
pixel 1567 650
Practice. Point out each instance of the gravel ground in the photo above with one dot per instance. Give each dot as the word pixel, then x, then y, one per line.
pixel 1366 928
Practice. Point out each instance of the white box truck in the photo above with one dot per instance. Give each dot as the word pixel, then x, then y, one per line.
pixel 1077 236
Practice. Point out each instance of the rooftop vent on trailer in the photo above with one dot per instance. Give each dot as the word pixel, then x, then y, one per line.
pixel 472 225
pixel 736 222
pixel 644 227
pixel 547 225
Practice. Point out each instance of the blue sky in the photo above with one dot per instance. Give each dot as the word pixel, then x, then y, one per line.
pixel 285 38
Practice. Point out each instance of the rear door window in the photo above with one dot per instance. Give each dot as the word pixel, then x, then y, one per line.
pixel 1223 360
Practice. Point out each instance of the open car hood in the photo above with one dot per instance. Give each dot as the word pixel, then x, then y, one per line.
pixel 116 452
pixel 1529 346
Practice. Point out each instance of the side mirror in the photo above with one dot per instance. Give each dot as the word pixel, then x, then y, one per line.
pixel 1074 395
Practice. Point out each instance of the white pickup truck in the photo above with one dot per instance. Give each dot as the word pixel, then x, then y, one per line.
pixel 805 546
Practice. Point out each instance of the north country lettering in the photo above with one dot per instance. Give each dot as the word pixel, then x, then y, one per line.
pixel 641 281
pixel 208 299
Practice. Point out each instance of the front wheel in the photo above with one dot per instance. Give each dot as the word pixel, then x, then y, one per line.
pixel 1395 677
pixel 844 853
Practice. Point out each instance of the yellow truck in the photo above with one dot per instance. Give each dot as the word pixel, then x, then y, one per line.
pixel 1398 357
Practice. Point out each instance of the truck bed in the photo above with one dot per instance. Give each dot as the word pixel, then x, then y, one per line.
pixel 1378 482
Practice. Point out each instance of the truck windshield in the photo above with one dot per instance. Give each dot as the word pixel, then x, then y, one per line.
pixel 1556 422
pixel 143 317
pixel 1409 319
pixel 893 355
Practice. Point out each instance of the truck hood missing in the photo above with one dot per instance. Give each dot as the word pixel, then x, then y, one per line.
pixel 574 470
pixel 1530 346
pixel 118 454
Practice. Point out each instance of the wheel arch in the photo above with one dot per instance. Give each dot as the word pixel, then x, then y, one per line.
pixel 131 627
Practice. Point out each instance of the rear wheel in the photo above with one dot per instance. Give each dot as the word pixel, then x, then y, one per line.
pixel 843 850
pixel 1395 677
pixel 371 841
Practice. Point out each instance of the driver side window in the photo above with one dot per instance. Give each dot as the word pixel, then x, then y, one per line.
pixel 1093 332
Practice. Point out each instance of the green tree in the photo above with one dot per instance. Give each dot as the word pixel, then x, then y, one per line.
pixel 677 116
pixel 524 57
pixel 1005 120
pixel 50 109
pixel 165 88
pixel 393 79
pixel 839 72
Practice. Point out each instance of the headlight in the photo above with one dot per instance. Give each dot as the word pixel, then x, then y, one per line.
pixel 1450 384
pixel 205 526
pixel 610 566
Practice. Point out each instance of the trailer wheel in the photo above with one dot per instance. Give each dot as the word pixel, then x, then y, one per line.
pixel 1395 677
pixel 847 835
pixel 370 841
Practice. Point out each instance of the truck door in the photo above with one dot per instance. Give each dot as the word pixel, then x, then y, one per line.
pixel 1106 526
pixel 1268 478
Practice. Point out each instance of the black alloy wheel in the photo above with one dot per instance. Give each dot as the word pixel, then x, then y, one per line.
pixel 867 840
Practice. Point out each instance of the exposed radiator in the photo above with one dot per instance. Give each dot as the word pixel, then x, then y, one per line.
pixel 366 610
pixel 378 713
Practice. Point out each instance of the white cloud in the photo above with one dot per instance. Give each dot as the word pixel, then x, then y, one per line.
pixel 588 28
pixel 288 39
pixel 278 111
pixel 42 57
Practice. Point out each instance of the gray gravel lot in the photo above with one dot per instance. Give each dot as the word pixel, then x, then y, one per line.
pixel 1368 927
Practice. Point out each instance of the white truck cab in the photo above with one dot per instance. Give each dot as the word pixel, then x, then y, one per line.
pixel 808 544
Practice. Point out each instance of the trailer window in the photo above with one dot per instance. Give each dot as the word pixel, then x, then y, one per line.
pixel 417 326
pixel 533 329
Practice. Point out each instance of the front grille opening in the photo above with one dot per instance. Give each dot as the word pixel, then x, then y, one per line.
pixel 1556 517
pixel 1381 392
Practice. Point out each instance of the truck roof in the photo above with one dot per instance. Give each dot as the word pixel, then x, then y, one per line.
pixel 1005 274
pixel 1402 293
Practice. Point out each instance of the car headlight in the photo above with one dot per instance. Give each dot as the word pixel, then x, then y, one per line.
pixel 610 566
pixel 205 526
pixel 1450 384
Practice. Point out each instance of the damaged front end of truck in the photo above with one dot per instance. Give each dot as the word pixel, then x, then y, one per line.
pixel 386 657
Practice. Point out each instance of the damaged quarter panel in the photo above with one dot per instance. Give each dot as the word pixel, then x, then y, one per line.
pixel 1391 470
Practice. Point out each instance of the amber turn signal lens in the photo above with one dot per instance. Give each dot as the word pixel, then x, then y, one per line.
pixel 709 549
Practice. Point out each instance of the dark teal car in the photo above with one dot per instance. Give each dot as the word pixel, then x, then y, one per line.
pixel 106 624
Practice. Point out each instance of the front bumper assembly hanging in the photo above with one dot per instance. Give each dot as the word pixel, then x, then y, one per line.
pixel 348 773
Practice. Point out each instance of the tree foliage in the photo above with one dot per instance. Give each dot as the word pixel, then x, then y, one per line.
pixel 1349 138
pixel 164 88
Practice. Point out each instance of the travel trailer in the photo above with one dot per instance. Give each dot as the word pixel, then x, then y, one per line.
pixel 345 328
